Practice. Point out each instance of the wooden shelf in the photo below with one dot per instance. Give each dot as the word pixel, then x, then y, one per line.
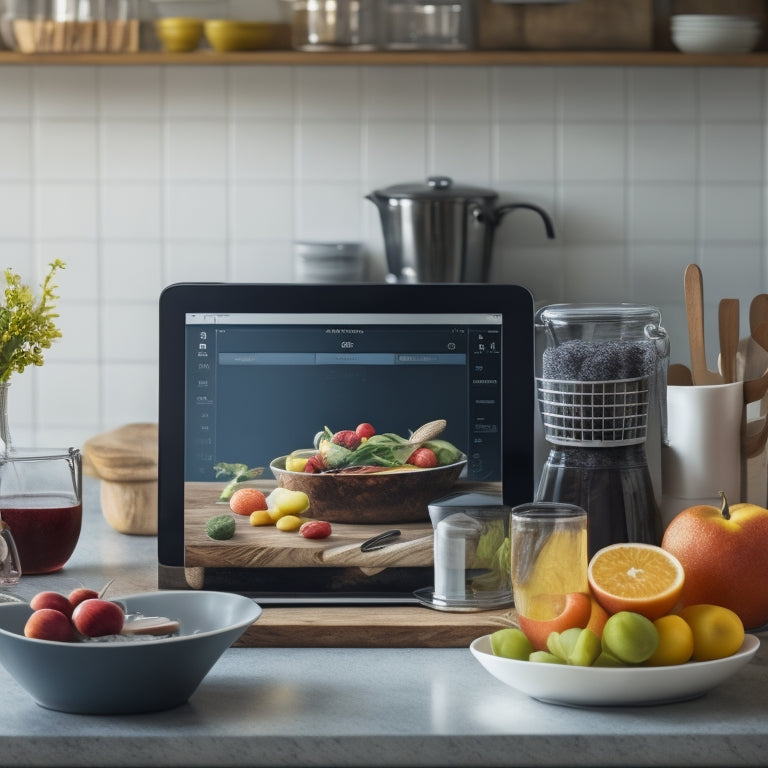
pixel 395 58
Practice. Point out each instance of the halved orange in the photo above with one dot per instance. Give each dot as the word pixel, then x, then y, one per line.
pixel 575 609
pixel 636 577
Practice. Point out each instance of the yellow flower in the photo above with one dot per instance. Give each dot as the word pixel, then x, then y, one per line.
pixel 27 326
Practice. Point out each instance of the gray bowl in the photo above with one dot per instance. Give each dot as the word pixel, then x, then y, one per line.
pixel 143 675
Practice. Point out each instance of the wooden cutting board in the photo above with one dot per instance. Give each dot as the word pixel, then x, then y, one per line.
pixel 383 626
pixel 371 627
pixel 262 546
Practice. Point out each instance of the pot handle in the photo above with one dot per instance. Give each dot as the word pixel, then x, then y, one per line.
pixel 502 210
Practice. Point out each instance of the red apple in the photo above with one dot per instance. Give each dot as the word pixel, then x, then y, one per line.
pixel 52 600
pixel 76 596
pixel 49 624
pixel 97 618
pixel 725 558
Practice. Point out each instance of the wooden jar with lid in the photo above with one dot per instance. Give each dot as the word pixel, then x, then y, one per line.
pixel 125 460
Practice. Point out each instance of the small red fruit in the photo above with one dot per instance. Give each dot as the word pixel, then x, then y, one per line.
pixel 247 500
pixel 49 624
pixel 365 430
pixel 52 600
pixel 76 596
pixel 315 529
pixel 97 618
pixel 347 438
pixel 314 464
pixel 423 457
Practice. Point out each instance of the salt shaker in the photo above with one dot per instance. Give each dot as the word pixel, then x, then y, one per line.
pixel 10 566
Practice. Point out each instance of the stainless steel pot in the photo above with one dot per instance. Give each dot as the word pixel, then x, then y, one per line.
pixel 441 232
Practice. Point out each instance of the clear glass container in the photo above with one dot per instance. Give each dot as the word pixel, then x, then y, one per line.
pixel 322 25
pixel 10 565
pixel 71 26
pixel 414 25
pixel 41 502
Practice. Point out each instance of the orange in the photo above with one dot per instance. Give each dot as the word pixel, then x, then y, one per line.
pixel 642 578
pixel 575 610
pixel 597 617
pixel 675 641
pixel 247 500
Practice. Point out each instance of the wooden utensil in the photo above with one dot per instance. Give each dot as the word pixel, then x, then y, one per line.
pixel 694 309
pixel 758 311
pixel 679 375
pixel 728 325
pixel 754 390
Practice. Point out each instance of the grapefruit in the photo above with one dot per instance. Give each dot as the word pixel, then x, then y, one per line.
pixel 575 610
pixel 725 557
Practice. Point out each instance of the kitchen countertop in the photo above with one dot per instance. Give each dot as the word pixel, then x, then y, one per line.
pixel 361 706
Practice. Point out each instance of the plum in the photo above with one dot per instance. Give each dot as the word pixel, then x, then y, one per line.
pixel 49 624
pixel 54 600
pixel 76 596
pixel 97 618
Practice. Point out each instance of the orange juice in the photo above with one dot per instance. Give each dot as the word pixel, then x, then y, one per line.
pixel 549 557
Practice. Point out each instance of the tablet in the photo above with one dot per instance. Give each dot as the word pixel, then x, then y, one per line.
pixel 251 372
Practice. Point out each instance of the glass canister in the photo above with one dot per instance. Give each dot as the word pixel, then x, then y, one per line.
pixel 323 25
pixel 420 25
pixel 601 383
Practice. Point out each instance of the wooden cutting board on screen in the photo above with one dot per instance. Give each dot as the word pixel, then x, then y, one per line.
pixel 266 546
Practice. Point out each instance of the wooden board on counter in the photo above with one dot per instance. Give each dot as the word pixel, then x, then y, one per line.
pixel 370 627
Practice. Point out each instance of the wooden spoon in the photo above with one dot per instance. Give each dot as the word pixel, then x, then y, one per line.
pixel 728 324
pixel 679 375
pixel 694 308
pixel 758 311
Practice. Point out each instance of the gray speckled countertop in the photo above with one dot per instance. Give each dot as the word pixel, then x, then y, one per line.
pixel 365 707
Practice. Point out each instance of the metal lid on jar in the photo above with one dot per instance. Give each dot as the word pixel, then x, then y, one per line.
pixel 435 188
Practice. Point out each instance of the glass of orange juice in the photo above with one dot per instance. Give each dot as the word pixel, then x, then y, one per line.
pixel 549 557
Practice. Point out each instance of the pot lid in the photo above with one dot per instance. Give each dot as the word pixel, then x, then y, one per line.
pixel 436 188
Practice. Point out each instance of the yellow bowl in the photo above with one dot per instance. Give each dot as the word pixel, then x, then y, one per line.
pixel 179 34
pixel 226 35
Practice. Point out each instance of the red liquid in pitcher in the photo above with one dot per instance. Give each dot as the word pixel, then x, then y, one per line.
pixel 45 536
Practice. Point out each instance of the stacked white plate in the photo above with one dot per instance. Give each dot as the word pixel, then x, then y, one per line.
pixel 706 33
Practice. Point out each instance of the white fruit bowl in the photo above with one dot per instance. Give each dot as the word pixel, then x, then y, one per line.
pixel 612 686
pixel 127 676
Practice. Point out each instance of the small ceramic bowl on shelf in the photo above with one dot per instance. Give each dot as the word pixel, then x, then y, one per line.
pixel 700 33
pixel 179 34
pixel 225 35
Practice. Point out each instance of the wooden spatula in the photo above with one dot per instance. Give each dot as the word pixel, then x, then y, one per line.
pixel 694 309
pixel 728 324
pixel 758 311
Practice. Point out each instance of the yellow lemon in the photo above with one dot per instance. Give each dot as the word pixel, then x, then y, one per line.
pixel 717 631
pixel 296 463
pixel 675 642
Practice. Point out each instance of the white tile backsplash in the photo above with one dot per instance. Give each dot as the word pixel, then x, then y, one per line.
pixel 138 177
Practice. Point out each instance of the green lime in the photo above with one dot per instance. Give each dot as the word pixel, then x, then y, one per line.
pixel 511 643
pixel 543 657
pixel 630 637
pixel 585 650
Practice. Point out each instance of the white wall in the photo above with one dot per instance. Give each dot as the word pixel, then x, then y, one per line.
pixel 142 176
